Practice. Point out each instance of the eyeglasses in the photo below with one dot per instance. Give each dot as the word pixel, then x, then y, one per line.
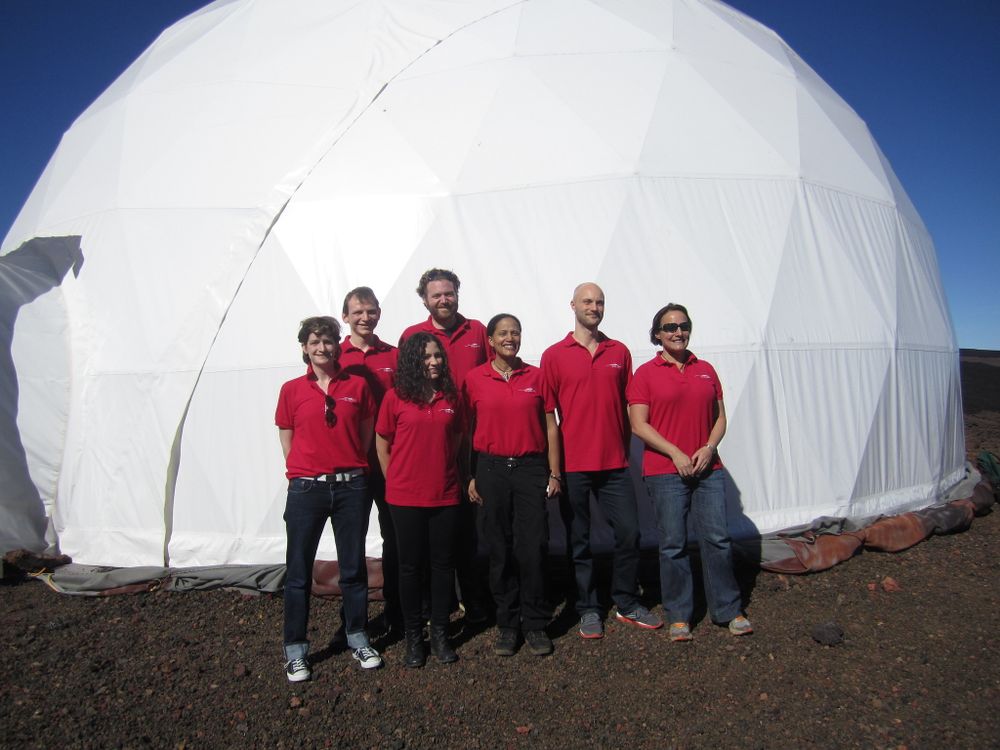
pixel 672 327
pixel 331 417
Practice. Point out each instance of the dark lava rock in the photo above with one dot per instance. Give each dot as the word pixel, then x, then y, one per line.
pixel 828 633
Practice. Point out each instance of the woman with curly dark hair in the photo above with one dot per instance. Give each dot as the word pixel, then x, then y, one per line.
pixel 418 435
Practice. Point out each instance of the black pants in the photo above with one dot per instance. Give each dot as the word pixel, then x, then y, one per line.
pixel 515 525
pixel 471 591
pixel 425 535
pixel 390 563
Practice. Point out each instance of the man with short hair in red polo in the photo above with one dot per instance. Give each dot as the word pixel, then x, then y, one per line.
pixel 463 339
pixel 325 422
pixel 467 346
pixel 587 373
pixel 365 354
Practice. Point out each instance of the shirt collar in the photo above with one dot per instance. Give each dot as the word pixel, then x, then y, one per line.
pixel 661 362
pixel 378 345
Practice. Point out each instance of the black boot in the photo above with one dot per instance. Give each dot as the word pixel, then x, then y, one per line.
pixel 440 646
pixel 416 656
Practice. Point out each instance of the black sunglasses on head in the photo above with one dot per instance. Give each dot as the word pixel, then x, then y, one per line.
pixel 671 327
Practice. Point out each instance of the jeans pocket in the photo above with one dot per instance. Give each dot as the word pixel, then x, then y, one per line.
pixel 300 486
pixel 359 483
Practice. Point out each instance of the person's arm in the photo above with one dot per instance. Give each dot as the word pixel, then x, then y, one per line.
pixel 704 456
pixel 285 438
pixel 465 470
pixel 638 417
pixel 555 455
pixel 465 464
pixel 383 448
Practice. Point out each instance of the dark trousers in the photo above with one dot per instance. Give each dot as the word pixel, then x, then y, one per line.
pixel 309 506
pixel 470 588
pixel 515 525
pixel 390 558
pixel 616 497
pixel 425 535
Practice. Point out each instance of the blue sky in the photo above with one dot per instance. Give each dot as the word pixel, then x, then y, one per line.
pixel 924 75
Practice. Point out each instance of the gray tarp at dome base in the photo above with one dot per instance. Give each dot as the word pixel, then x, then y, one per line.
pixel 806 549
pixel 261 158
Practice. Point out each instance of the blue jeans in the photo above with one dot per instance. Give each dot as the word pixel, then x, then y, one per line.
pixel 704 498
pixel 616 496
pixel 308 507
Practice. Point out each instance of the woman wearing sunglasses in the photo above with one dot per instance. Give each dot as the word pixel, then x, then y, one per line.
pixel 324 421
pixel 516 441
pixel 417 437
pixel 676 409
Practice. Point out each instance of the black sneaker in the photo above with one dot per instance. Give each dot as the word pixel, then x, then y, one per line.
pixel 297 670
pixel 367 657
pixel 506 644
pixel 538 642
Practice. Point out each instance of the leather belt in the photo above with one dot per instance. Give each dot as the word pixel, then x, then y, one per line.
pixel 512 462
pixel 339 476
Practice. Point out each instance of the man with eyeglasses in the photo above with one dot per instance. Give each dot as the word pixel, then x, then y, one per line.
pixel 365 354
pixel 325 422
pixel 587 373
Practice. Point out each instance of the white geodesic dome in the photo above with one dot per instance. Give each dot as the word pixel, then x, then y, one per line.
pixel 262 157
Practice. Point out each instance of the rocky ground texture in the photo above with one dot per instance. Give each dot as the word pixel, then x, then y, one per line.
pixel 913 662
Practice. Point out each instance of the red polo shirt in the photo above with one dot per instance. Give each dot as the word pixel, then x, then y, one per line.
pixel 681 407
pixel 423 468
pixel 509 414
pixel 589 394
pixel 319 448
pixel 377 364
pixel 467 347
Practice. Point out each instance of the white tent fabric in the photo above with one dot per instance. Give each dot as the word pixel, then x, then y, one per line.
pixel 262 158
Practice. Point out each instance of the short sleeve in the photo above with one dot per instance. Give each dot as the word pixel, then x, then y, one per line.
pixel 637 391
pixel 283 412
pixel 716 383
pixel 387 416
pixel 628 366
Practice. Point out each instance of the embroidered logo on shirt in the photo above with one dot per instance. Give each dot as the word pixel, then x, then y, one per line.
pixel 384 369
pixel 529 389
pixel 616 365
pixel 350 399
pixel 706 377
pixel 447 410
pixel 473 345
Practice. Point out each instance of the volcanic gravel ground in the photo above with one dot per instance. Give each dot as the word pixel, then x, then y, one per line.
pixel 918 664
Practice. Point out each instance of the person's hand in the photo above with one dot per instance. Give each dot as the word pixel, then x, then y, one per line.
pixel 474 497
pixel 683 463
pixel 702 459
pixel 554 487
